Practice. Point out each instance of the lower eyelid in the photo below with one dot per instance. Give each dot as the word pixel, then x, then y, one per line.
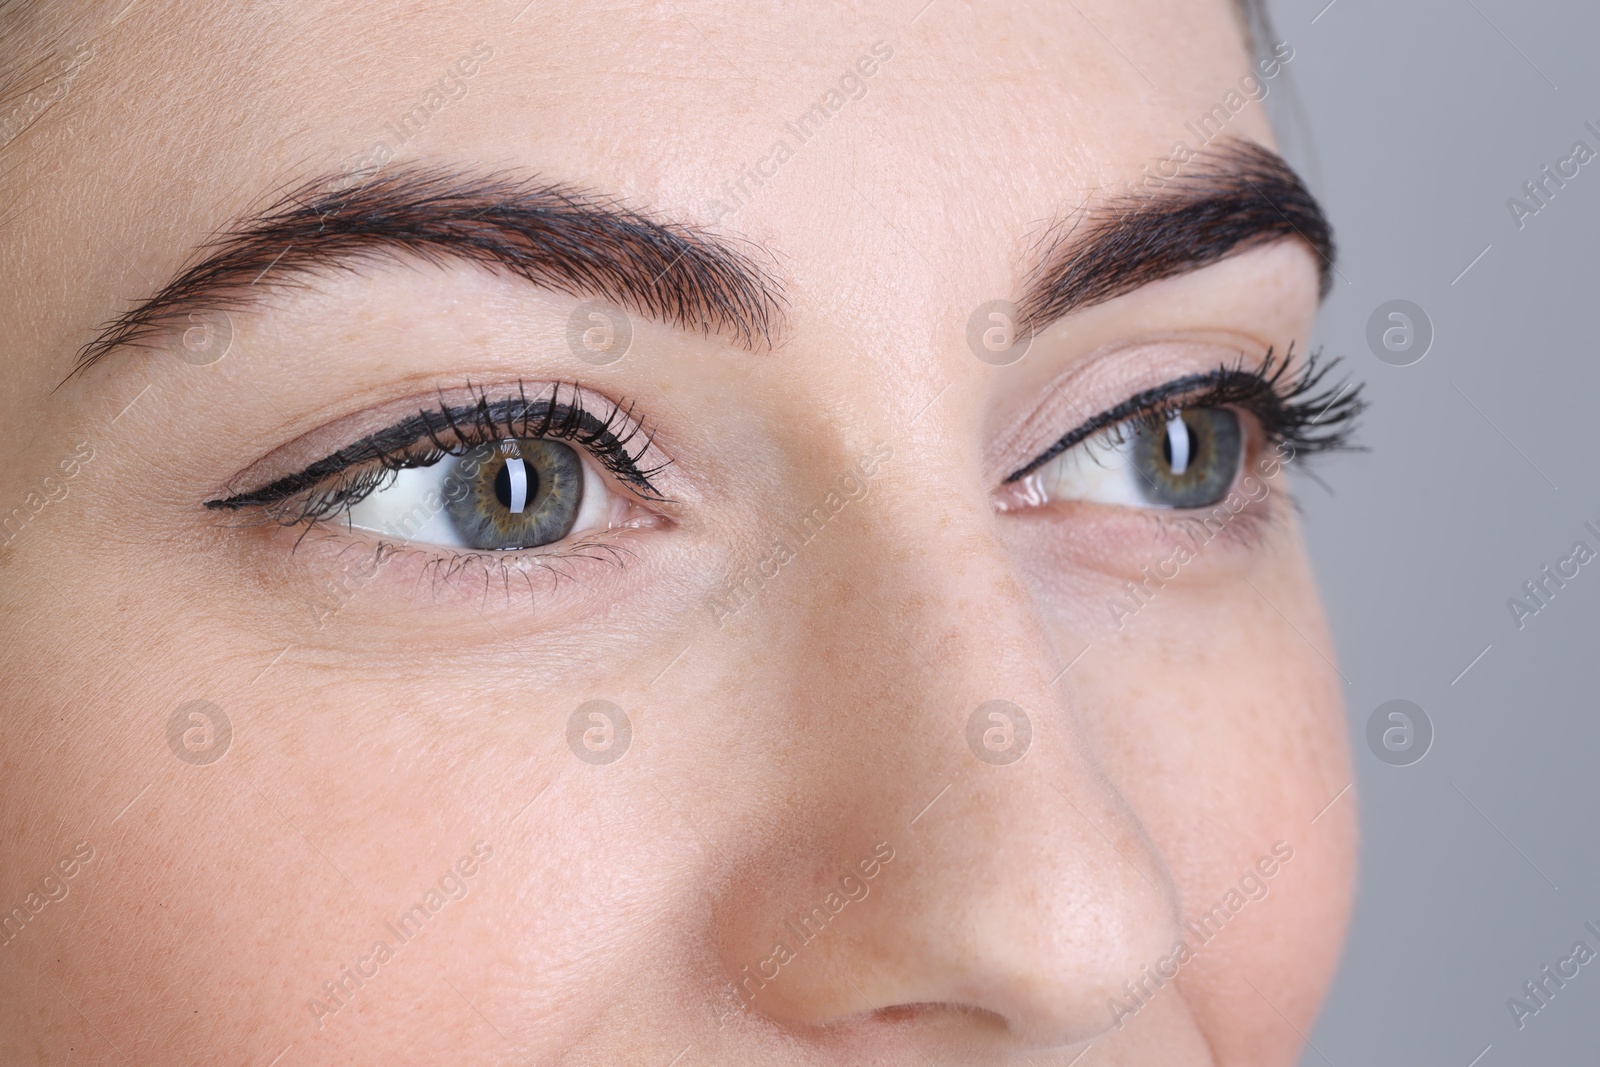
pixel 369 574
pixel 1109 547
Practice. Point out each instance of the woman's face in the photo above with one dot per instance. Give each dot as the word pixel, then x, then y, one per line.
pixel 660 534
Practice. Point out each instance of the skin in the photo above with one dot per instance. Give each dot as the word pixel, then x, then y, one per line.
pixel 380 731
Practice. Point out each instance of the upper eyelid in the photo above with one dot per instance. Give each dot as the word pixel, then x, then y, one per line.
pixel 1138 404
pixel 1282 392
pixel 426 429
pixel 324 468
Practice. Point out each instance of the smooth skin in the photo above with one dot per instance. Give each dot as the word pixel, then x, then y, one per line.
pixel 391 731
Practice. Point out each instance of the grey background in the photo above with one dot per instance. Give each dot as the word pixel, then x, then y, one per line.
pixel 1480 863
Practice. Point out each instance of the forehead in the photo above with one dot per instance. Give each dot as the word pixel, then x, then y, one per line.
pixel 666 101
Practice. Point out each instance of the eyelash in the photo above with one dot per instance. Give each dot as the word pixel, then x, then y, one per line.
pixel 332 485
pixel 1297 410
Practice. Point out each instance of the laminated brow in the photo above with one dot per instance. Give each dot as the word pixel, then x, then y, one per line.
pixel 328 486
pixel 1298 409
pixel 554 236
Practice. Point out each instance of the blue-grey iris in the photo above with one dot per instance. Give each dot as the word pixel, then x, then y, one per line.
pixel 517 493
pixel 1190 460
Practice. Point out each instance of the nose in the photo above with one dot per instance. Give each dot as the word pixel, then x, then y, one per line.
pixel 944 850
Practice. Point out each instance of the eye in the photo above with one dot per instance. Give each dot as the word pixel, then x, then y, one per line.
pixel 1186 459
pixel 513 494
pixel 1183 444
pixel 496 475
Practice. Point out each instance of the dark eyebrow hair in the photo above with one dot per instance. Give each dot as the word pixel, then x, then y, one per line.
pixel 552 235
pixel 1222 202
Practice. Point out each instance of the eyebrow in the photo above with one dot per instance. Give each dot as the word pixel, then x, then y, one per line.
pixel 1222 202
pixel 552 235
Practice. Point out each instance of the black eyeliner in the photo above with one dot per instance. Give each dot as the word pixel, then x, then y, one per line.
pixel 1300 410
pixel 428 436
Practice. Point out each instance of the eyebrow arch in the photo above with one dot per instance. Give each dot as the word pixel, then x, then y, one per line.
pixel 552 235
pixel 1223 202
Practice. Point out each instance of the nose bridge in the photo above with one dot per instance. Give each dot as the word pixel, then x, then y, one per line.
pixel 1020 883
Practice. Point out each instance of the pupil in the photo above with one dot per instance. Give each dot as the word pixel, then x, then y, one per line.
pixel 502 483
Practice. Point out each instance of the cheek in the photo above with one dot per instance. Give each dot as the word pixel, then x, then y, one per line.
pixel 1225 731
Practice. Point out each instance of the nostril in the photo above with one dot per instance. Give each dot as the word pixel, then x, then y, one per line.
pixel 910 1013
pixel 949 1025
pixel 901 1013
